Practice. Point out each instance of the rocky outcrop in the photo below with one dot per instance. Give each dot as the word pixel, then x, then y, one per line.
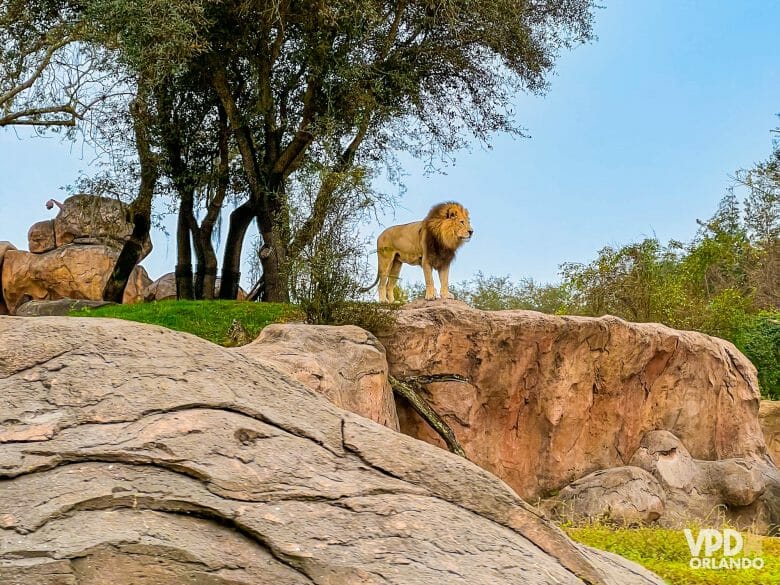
pixel 87 219
pixel 40 237
pixel 4 247
pixel 134 454
pixel 744 492
pixel 621 495
pixel 551 399
pixel 72 255
pixel 345 364
pixel 769 415
pixel 74 271
pixel 664 484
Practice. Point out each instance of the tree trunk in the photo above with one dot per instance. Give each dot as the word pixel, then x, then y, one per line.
pixel 184 248
pixel 276 286
pixel 140 210
pixel 240 219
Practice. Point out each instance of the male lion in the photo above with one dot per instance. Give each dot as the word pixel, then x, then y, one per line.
pixel 431 243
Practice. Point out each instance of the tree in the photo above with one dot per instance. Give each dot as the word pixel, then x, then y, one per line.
pixel 335 86
pixel 340 85
pixel 50 72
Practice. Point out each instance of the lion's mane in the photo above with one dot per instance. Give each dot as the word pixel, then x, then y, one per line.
pixel 441 229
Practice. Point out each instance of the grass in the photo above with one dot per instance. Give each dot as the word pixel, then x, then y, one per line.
pixel 210 320
pixel 666 553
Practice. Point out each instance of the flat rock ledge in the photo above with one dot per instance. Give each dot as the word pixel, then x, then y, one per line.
pixel 131 454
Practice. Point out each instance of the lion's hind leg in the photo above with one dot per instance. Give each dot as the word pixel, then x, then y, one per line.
pixel 386 261
pixel 395 271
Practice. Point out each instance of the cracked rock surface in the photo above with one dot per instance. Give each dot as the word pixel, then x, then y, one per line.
pixel 131 454
pixel 553 398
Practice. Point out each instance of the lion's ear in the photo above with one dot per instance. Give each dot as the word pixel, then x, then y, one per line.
pixel 450 213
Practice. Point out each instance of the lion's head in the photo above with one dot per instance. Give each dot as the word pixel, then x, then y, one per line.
pixel 449 222
pixel 449 227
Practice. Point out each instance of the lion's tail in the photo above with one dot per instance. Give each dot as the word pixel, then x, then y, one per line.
pixel 370 286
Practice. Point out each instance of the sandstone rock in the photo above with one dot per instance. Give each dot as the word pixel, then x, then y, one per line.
pixel 742 491
pixel 87 219
pixel 134 454
pixel 164 289
pixel 4 247
pixel 345 364
pixel 74 271
pixel 40 237
pixel 623 495
pixel 553 398
pixel 769 414
pixel 60 307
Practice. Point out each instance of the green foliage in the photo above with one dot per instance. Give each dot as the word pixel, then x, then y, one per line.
pixel 210 320
pixel 758 337
pixel 666 553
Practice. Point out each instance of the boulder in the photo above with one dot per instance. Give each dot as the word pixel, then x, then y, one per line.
pixel 769 414
pixel 40 237
pixel 552 398
pixel 621 495
pixel 345 364
pixel 134 454
pixel 75 271
pixel 743 492
pixel 88 219
pixel 164 289
pixel 4 247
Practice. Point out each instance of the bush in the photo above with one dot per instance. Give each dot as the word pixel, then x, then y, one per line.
pixel 759 339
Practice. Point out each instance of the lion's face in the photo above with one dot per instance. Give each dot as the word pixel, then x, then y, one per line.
pixel 458 218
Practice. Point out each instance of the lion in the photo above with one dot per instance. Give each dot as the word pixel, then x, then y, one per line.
pixel 430 243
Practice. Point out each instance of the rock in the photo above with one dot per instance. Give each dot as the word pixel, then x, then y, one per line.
pixel 40 237
pixel 621 495
pixel 134 454
pixel 75 271
pixel 4 247
pixel 164 289
pixel 743 492
pixel 60 307
pixel 345 364
pixel 554 398
pixel 88 219
pixel 769 415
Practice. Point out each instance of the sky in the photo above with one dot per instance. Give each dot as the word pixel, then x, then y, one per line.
pixel 639 135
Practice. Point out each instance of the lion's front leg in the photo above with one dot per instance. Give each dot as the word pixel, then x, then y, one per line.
pixel 444 277
pixel 430 290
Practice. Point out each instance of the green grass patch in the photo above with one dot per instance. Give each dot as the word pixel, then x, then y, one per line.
pixel 210 320
pixel 666 553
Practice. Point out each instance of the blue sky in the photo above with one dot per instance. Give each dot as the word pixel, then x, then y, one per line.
pixel 638 135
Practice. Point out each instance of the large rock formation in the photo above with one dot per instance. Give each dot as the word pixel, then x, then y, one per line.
pixel 664 483
pixel 345 364
pixel 132 454
pixel 74 271
pixel 72 255
pixel 744 492
pixel 551 399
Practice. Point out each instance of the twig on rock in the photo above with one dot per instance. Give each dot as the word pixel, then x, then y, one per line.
pixel 410 388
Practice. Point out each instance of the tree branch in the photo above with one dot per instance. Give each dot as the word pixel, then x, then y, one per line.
pixel 410 390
